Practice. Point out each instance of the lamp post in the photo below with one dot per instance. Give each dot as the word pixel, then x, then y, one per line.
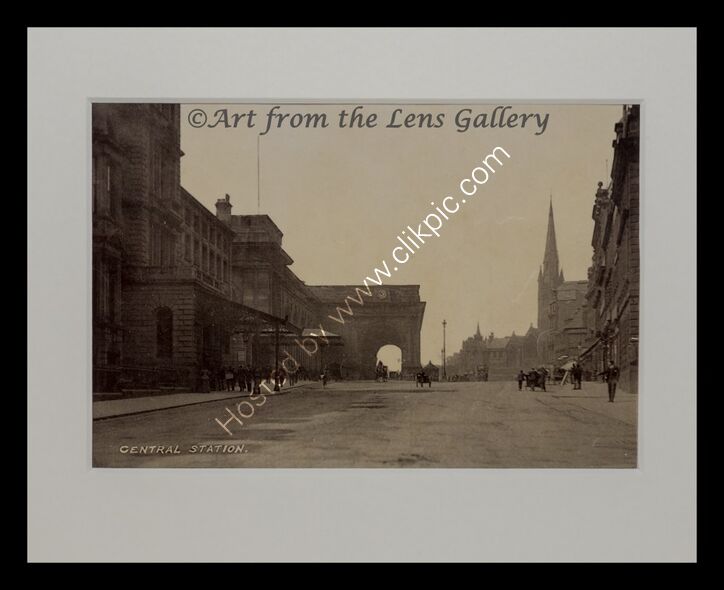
pixel 444 370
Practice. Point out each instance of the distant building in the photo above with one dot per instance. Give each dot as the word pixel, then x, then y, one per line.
pixel 613 291
pixel 562 307
pixel 470 356
pixel 501 357
pixel 569 313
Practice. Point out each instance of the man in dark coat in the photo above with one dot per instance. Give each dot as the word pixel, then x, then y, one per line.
pixel 542 379
pixel 521 378
pixel 578 375
pixel 611 374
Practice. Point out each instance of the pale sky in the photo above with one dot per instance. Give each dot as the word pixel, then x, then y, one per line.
pixel 342 196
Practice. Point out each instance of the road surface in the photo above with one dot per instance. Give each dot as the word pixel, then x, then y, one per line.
pixel 393 424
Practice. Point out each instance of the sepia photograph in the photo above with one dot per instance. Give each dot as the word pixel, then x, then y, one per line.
pixel 362 295
pixel 364 285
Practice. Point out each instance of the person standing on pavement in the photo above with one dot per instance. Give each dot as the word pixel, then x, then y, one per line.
pixel 578 376
pixel 282 377
pixel 239 377
pixel 248 379
pixel 611 374
pixel 521 378
pixel 229 379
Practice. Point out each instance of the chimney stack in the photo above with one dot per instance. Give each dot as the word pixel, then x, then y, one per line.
pixel 223 209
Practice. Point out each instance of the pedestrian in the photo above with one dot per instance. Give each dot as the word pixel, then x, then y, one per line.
pixel 574 369
pixel 578 375
pixel 611 374
pixel 220 380
pixel 521 378
pixel 229 375
pixel 239 378
pixel 542 381
pixel 282 377
pixel 205 380
pixel 248 379
pixel 256 379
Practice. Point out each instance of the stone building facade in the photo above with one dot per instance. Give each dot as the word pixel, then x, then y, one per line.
pixel 163 306
pixel 178 290
pixel 613 291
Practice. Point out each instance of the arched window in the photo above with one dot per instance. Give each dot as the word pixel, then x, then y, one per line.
pixel 164 332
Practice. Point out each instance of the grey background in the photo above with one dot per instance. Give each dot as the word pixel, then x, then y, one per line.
pixel 79 514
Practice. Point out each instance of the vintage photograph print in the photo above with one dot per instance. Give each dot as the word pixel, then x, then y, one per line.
pixel 373 285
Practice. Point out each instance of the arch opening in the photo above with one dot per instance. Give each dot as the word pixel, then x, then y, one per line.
pixel 390 355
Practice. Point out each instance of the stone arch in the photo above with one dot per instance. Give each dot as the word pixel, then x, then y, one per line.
pixel 375 336
pixel 391 356
pixel 391 314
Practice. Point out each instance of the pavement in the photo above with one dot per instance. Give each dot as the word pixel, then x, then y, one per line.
pixel 113 408
pixel 368 424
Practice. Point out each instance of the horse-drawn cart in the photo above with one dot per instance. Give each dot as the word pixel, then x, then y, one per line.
pixel 422 378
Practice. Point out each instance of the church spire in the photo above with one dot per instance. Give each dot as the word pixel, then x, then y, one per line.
pixel 550 258
pixel 477 332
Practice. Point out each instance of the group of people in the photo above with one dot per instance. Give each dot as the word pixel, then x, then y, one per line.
pixel 248 378
pixel 481 374
pixel 421 378
pixel 533 378
pixel 576 375
pixel 537 378
pixel 610 375
pixel 381 372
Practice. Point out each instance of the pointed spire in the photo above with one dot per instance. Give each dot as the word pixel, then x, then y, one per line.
pixel 477 332
pixel 550 258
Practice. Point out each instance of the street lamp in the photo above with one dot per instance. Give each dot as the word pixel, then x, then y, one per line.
pixel 551 331
pixel 444 370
